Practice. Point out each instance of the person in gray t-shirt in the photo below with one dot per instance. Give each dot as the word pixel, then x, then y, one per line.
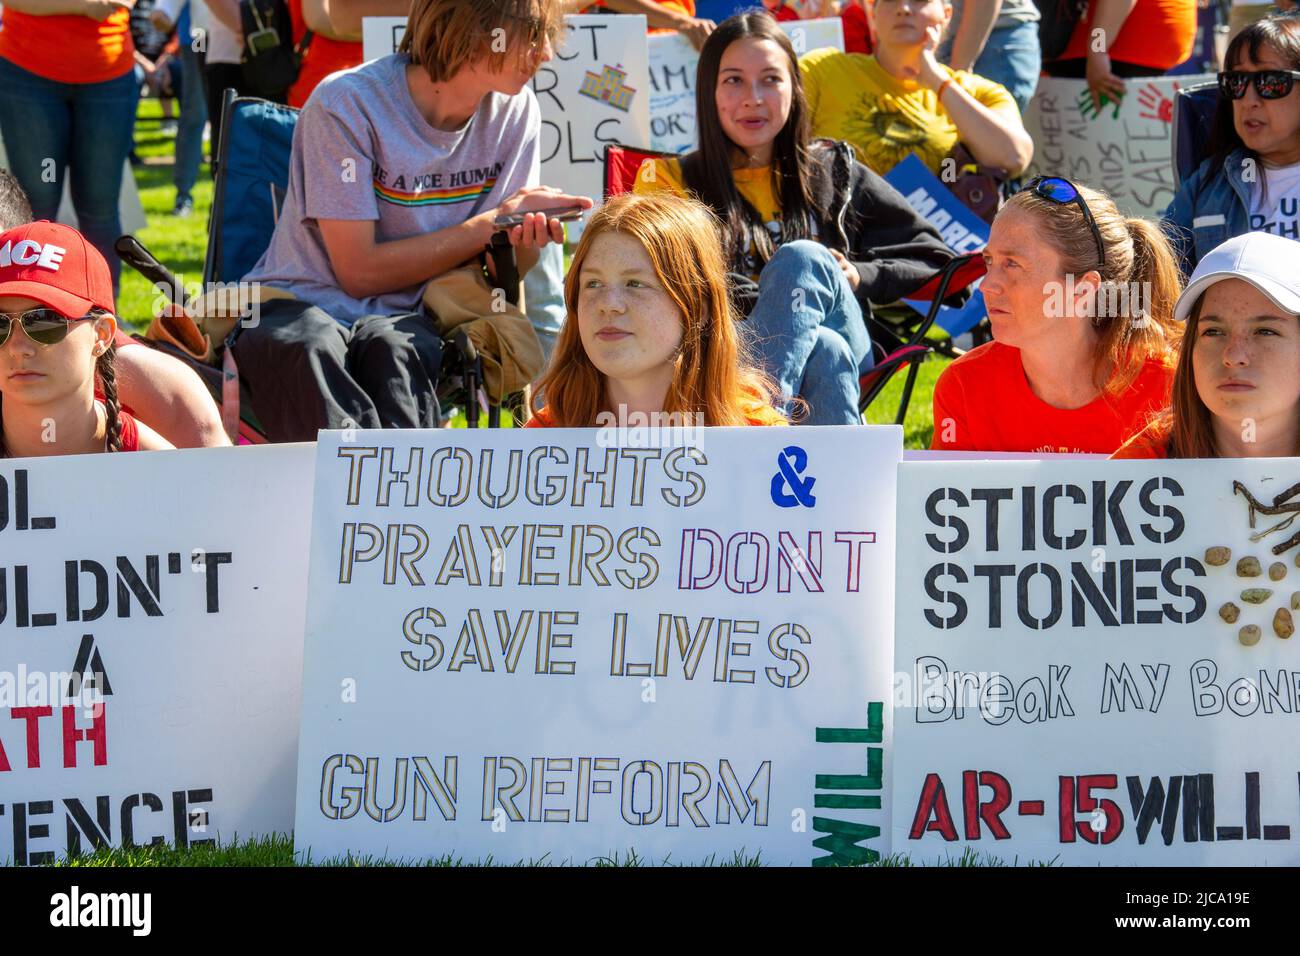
pixel 398 171
pixel 998 40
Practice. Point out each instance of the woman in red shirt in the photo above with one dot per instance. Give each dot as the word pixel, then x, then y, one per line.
pixel 651 333
pixel 67 68
pixel 58 385
pixel 1081 303
pixel 1237 387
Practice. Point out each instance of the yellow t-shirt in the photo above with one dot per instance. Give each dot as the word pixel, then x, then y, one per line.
pixel 665 175
pixel 851 97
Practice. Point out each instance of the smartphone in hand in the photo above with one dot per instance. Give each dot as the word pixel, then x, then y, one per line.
pixel 562 213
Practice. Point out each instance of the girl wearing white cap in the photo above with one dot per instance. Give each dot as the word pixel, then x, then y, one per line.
pixel 1236 390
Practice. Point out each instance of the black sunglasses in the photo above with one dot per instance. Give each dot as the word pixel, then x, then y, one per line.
pixel 1065 193
pixel 43 326
pixel 1269 84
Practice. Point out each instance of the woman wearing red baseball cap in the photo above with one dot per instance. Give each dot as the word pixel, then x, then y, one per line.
pixel 58 388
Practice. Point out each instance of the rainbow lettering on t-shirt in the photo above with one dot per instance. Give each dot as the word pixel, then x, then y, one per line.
pixel 434 197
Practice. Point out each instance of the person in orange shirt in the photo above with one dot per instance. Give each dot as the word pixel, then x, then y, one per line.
pixel 651 332
pixel 1080 299
pixel 67 68
pixel 1119 38
pixel 328 51
pixel 1237 386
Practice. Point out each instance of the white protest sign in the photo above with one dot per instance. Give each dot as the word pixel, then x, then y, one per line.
pixel 538 642
pixel 673 62
pixel 381 36
pixel 594 91
pixel 178 578
pixel 1070 687
pixel 1126 149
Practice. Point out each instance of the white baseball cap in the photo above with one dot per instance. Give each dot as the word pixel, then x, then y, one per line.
pixel 1270 263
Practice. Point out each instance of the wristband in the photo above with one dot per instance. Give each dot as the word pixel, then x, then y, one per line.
pixel 938 94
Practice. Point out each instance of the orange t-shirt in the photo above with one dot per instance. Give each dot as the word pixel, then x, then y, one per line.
pixel 983 402
pixel 69 49
pixel 1157 33
pixel 681 6
pixel 323 57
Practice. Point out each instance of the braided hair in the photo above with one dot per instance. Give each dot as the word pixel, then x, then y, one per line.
pixel 107 375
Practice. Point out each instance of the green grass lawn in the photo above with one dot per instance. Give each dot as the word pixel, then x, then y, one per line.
pixel 180 243
pixel 278 851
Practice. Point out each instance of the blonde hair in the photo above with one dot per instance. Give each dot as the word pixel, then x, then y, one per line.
pixel 682 239
pixel 444 36
pixel 1137 253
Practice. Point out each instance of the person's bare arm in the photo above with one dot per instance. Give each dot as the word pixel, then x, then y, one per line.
pixel 167 394
pixel 364 268
pixel 657 17
pixel 977 19
pixel 316 16
pixel 1106 24
pixel 346 15
pixel 95 9
pixel 226 12
pixel 150 440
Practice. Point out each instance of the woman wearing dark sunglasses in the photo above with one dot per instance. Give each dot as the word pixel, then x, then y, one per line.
pixel 1081 300
pixel 1251 180
pixel 58 387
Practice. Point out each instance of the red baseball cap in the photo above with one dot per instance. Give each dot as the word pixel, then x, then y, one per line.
pixel 55 265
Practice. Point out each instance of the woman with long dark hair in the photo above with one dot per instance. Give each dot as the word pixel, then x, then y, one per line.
pixel 812 237
pixel 1251 180
pixel 1236 390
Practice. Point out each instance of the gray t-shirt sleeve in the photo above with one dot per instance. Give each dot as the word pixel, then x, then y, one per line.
pixel 337 167
pixel 523 142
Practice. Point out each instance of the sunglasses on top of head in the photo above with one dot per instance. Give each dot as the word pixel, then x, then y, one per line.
pixel 1061 191
pixel 1269 84
pixel 43 326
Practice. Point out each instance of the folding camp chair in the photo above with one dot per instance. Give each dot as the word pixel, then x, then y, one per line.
pixel 1193 120
pixel 251 177
pixel 959 273
pixel 897 345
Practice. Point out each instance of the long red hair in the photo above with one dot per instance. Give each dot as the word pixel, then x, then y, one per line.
pixel 712 377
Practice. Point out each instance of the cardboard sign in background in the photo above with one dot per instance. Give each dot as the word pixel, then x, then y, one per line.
pixel 188 595
pixel 534 643
pixel 1125 149
pixel 1080 699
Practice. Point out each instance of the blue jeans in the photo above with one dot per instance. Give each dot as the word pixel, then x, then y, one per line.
pixel 807 332
pixel 82 130
pixel 194 116
pixel 1013 58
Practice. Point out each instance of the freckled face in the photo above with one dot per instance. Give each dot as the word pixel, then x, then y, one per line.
pixel 1246 355
pixel 630 326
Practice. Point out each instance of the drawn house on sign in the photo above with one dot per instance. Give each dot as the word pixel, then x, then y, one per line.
pixel 609 86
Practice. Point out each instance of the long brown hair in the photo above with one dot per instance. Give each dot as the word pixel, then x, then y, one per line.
pixel 1188 422
pixel 1137 252
pixel 711 378
pixel 792 167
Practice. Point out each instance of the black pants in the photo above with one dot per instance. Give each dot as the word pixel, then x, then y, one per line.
pixel 304 371
pixel 216 78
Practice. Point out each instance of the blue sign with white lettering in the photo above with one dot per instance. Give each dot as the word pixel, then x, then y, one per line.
pixel 961 230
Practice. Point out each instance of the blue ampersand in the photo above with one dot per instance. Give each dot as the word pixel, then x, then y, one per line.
pixel 790 465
